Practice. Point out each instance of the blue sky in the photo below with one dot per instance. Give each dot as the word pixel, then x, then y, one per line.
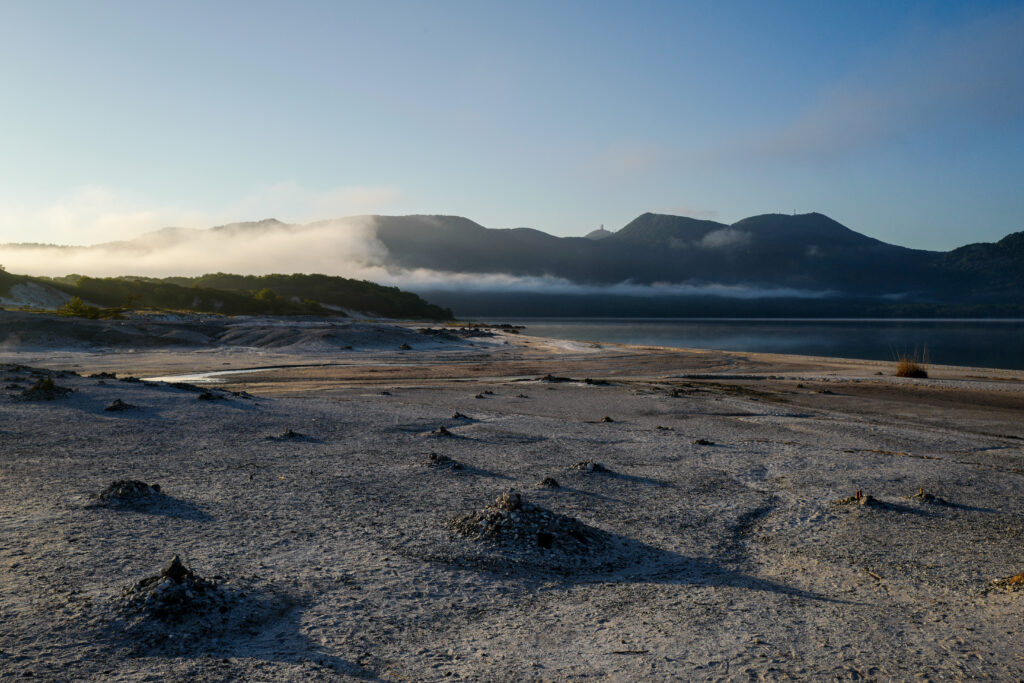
pixel 902 120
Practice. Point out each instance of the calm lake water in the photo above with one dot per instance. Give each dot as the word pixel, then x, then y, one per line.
pixel 980 343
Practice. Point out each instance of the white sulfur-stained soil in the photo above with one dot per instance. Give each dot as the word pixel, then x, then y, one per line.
pixel 742 525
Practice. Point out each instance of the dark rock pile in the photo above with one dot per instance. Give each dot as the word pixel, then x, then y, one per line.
pixel 118 405
pixel 174 593
pixel 922 497
pixel 129 491
pixel 548 483
pixel 45 390
pixel 179 610
pixel 516 525
pixel 442 462
pixel 858 499
pixel 590 466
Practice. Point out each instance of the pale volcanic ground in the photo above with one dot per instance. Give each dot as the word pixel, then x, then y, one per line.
pixel 699 539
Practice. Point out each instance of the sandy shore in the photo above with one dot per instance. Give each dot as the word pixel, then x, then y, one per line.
pixel 699 539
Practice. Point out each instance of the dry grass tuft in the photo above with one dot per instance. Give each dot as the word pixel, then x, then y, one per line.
pixel 912 365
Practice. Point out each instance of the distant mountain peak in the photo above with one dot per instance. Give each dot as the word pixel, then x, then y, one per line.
pixel 599 234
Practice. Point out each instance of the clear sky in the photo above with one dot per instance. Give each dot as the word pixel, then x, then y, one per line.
pixel 902 120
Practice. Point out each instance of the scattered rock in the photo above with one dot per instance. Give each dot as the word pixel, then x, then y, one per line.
pixel 479 396
pixel 703 442
pixel 857 499
pixel 552 378
pixel 442 431
pixel 548 483
pixel 208 396
pixel 522 396
pixel 606 419
pixel 590 466
pixel 596 382
pixel 103 375
pixel 442 462
pixel 460 416
pixel 487 392
pixel 385 393
pixel 119 405
pixel 664 429
pixel 45 390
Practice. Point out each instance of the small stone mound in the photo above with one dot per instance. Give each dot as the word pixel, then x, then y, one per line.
pixel 858 499
pixel 515 525
pixel 129 491
pixel 548 483
pixel 442 462
pixel 703 442
pixel 590 466
pixel 45 390
pixel 1010 584
pixel 174 596
pixel 922 497
pixel 118 405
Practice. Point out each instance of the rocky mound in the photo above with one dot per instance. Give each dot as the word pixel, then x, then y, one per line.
pixel 523 532
pixel 590 466
pixel 859 498
pixel 178 609
pixel 45 390
pixel 129 492
pixel 442 462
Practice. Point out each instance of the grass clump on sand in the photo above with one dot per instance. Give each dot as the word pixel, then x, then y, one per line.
pixel 912 365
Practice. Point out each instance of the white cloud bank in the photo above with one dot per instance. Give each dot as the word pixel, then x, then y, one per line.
pixel 347 247
pixel 96 214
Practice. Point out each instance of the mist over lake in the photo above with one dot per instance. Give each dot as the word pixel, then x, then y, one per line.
pixel 977 343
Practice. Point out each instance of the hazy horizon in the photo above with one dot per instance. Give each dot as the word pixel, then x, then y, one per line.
pixel 902 121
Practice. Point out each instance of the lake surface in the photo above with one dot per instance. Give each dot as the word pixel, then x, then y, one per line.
pixel 979 343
